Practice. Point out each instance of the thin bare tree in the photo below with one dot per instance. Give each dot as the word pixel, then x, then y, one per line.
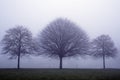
pixel 103 47
pixel 63 38
pixel 17 42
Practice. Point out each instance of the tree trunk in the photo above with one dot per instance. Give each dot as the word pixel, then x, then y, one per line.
pixel 103 56
pixel 19 51
pixel 18 65
pixel 103 61
pixel 60 63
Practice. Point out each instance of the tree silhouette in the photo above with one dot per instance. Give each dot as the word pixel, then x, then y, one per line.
pixel 104 47
pixel 17 42
pixel 62 38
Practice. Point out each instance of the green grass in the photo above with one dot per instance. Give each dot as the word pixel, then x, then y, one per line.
pixel 56 74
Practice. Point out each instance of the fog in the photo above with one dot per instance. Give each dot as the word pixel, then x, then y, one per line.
pixel 96 17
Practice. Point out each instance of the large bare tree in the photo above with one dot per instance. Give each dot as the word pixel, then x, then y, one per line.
pixel 62 38
pixel 103 47
pixel 17 42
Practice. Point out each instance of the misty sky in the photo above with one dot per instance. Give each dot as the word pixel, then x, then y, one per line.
pixel 96 17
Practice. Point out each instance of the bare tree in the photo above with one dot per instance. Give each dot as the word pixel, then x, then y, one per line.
pixel 104 47
pixel 62 38
pixel 17 43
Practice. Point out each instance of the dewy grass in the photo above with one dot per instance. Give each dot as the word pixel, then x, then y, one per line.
pixel 56 74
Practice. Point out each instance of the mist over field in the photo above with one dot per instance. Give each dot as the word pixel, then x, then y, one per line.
pixel 95 17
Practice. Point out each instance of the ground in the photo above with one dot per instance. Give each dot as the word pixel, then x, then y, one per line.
pixel 57 74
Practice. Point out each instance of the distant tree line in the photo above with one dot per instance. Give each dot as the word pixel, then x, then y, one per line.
pixel 59 39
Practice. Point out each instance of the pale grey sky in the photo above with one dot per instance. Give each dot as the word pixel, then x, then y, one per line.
pixel 96 17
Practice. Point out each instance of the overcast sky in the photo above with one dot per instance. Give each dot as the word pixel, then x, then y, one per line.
pixel 96 17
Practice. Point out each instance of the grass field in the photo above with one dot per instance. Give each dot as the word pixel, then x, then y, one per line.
pixel 56 74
